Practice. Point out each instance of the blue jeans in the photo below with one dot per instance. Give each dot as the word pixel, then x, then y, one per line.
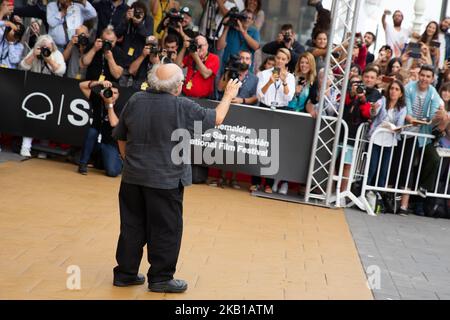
pixel 373 169
pixel 110 153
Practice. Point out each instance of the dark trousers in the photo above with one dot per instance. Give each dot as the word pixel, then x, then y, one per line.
pixel 110 153
pixel 430 168
pixel 151 217
pixel 374 161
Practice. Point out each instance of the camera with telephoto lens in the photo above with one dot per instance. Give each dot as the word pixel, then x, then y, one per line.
pixel 83 40
pixel 18 33
pixel 107 93
pixel 234 16
pixel 234 67
pixel 361 88
pixel 174 17
pixel 45 53
pixel 193 46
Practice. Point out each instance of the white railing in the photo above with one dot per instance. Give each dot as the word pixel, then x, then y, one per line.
pixel 406 159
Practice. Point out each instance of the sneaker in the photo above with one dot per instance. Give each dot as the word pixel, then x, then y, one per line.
pixel 404 212
pixel 82 169
pixel 254 188
pixel 284 188
pixel 235 185
pixel 42 155
pixel 268 190
pixel 275 187
pixel 24 152
pixel 422 192
pixel 216 183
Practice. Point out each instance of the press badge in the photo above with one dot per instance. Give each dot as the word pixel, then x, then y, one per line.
pixel 131 52
pixel 144 86
pixel 78 76
pixel 102 78
pixel 189 85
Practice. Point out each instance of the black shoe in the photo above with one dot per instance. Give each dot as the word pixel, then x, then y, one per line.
pixel 422 192
pixel 169 286
pixel 404 213
pixel 82 168
pixel 140 279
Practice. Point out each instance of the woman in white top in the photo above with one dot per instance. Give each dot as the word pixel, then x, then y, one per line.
pixel 276 86
pixel 38 61
pixel 388 113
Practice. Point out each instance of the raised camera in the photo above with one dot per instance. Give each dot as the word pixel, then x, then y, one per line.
pixel 193 46
pixel 233 67
pixel 45 53
pixel 174 17
pixel 361 88
pixel 287 38
pixel 107 45
pixel 138 14
pixel 235 15
pixel 107 93
pixel 83 40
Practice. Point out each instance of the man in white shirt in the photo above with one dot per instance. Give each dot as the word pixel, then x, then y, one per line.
pixel 396 36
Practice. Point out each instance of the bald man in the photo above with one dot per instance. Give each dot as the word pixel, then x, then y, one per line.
pixel 151 192
pixel 202 68
pixel 73 52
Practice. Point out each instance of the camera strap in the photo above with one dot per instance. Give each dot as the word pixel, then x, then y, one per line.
pixel 66 33
pixel 5 52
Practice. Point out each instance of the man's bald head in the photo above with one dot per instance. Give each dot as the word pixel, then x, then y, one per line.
pixel 166 78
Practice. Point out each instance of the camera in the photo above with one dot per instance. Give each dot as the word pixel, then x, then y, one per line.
pixel 234 16
pixel 193 46
pixel 286 38
pixel 45 53
pixel 107 45
pixel 301 81
pixel 234 67
pixel 361 88
pixel 154 49
pixel 107 93
pixel 18 34
pixel 138 14
pixel 174 17
pixel 83 40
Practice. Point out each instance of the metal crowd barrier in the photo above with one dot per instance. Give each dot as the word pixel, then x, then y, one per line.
pixel 413 160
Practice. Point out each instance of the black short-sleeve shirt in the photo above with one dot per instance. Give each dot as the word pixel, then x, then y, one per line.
pixel 100 120
pixel 99 64
pixel 146 124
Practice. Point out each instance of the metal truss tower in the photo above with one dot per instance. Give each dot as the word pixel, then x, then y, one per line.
pixel 321 177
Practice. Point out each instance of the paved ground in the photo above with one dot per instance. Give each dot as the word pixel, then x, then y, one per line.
pixel 9 156
pixel 413 254
pixel 235 246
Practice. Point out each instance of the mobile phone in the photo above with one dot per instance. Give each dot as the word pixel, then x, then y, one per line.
pixel 415 50
pixel 276 71
pixel 388 12
pixel 301 81
pixel 435 44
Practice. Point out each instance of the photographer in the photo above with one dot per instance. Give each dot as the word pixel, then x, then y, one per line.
pixel 102 96
pixel 74 50
pixel 286 39
pixel 140 67
pixel 11 50
pixel 202 67
pixel 159 9
pixel 213 13
pixel 238 34
pixel 136 26
pixel 238 68
pixel 110 14
pixel 104 60
pixel 46 59
pixel 180 24
pixel 65 16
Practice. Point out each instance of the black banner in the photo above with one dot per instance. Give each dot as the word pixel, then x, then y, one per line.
pixel 257 139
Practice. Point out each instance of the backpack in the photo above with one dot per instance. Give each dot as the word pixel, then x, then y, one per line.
pixel 437 208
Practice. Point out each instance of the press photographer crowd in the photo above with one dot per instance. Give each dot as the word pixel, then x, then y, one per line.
pixel 108 45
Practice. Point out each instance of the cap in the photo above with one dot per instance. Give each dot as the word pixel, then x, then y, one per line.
pixel 186 10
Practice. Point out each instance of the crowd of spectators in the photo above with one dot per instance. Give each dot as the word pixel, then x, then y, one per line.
pixel 112 44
